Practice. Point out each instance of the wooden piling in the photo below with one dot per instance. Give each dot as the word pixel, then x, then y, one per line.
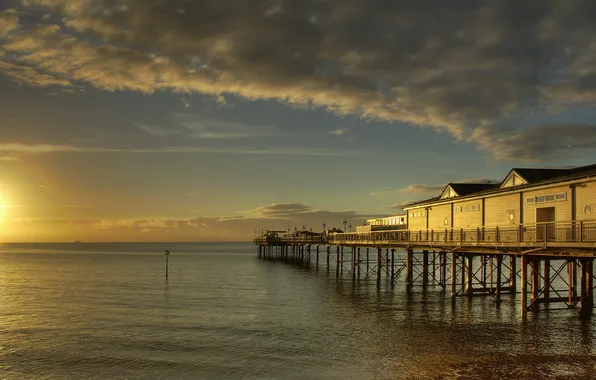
pixel 586 287
pixel 443 265
pixel 524 285
pixel 571 281
pixel 453 274
pixel 424 268
pixel 535 282
pixel 409 268
pixel 498 275
pixel 512 274
pixel 367 260
pixel 469 275
pixel 546 275
pixel 392 267
pixel 337 263
pixel 354 263
pixel 379 266
pixel 358 263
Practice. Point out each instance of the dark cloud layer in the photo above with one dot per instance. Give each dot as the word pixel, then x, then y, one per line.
pixel 470 67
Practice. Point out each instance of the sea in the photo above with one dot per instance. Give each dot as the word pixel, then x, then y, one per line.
pixel 105 311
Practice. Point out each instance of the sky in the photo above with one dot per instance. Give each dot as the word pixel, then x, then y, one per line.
pixel 188 120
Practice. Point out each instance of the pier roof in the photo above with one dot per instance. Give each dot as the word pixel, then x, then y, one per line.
pixel 470 188
pixel 532 176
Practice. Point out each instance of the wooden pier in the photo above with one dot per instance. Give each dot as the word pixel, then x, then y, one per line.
pixel 550 265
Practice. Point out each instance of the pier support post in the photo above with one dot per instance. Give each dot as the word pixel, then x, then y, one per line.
pixel 524 285
pixel 535 286
pixel 443 268
pixel 328 255
pixel 354 263
pixel 513 274
pixel 499 276
pixel 453 274
pixel 434 266
pixel 469 274
pixel 571 280
pixel 491 274
pixel 409 269
pixel 424 269
pixel 483 271
pixel 587 287
pixel 379 266
pixel 337 263
pixel 367 260
pixel 392 267
pixel 546 290
pixel 358 263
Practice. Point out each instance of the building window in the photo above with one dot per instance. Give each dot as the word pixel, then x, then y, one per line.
pixel 587 209
pixel 417 214
pixel 511 215
pixel 468 208
pixel 559 197
pixel 446 221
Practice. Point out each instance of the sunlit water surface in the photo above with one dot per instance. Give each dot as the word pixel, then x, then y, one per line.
pixel 104 311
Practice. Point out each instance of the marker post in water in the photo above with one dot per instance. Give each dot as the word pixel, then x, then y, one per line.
pixel 167 257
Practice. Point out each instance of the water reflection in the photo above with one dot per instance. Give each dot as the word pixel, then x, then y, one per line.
pixel 427 334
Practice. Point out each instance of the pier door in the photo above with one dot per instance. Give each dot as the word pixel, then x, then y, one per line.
pixel 545 224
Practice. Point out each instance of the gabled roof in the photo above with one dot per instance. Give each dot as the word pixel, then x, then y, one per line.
pixel 469 188
pixel 539 175
pixel 460 189
pixel 531 177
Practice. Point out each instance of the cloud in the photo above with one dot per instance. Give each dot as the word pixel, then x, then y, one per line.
pixel 556 141
pixel 414 188
pixel 49 148
pixel 28 76
pixel 195 193
pixel 468 68
pixel 8 22
pixel 38 148
pixel 398 206
pixel 337 132
pixel 422 188
pixel 200 127
pixel 277 210
pixel 218 228
pixel 9 159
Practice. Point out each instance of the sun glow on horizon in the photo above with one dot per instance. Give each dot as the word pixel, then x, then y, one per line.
pixel 3 207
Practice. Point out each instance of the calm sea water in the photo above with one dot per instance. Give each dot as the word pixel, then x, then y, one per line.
pixel 104 311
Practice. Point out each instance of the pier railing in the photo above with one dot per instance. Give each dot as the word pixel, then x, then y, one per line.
pixel 580 234
pixel 559 232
